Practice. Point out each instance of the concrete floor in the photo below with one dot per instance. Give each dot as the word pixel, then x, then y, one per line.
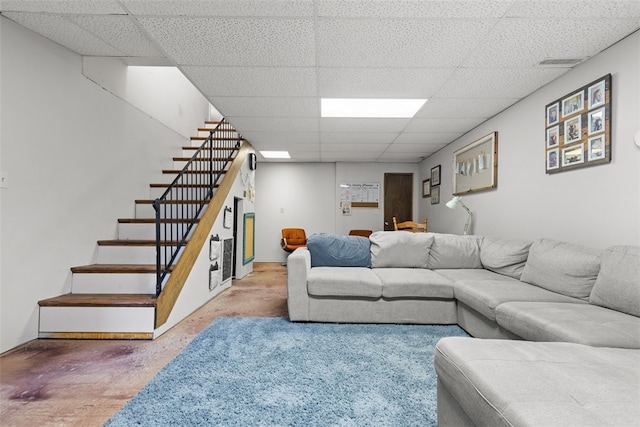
pixel 85 382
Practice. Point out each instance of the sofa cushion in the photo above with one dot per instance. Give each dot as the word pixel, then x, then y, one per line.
pixel 618 283
pixel 455 274
pixel 453 251
pixel 504 256
pixel 400 249
pixel 413 283
pixel 519 383
pixel 560 267
pixel 333 250
pixel 579 323
pixel 356 282
pixel 484 296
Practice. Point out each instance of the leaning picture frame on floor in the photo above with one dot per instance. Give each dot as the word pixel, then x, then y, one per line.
pixel 582 135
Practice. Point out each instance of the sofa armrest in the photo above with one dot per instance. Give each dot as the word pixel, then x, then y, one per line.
pixel 298 267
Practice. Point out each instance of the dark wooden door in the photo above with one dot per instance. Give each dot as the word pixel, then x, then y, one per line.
pixel 398 198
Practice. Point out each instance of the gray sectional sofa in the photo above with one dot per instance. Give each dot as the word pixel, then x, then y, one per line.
pixel 556 325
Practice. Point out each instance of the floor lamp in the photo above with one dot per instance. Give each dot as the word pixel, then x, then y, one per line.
pixel 451 204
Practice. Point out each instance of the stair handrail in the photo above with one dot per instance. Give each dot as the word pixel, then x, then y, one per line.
pixel 178 208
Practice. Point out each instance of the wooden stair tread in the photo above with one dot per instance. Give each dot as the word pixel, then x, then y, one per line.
pixel 153 220
pixel 116 268
pixel 171 202
pixel 100 300
pixel 193 147
pixel 176 171
pixel 136 242
pixel 164 184
pixel 186 159
pixel 216 138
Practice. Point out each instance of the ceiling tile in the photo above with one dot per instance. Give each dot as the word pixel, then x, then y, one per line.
pixel 274 124
pixel 358 137
pixel 266 106
pixel 350 156
pixel 330 147
pixel 525 42
pixel 380 82
pixel 397 43
pixel 234 42
pixel 220 7
pixel 65 32
pixel 497 82
pixel 464 107
pixel 253 81
pixel 575 9
pixel 427 138
pixel 413 8
pixel 442 125
pixel 65 6
pixel 279 139
pixel 121 33
pixel 362 125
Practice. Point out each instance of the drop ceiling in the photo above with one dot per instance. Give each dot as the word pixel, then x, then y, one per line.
pixel 265 64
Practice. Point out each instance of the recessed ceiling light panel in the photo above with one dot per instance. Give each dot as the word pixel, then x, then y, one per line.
pixel 370 108
pixel 275 154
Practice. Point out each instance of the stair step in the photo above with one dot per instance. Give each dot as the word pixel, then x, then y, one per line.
pixel 100 300
pixel 191 172
pixel 115 268
pixel 167 184
pixel 171 202
pixel 186 159
pixel 194 148
pixel 136 242
pixel 114 279
pixel 216 138
pixel 153 221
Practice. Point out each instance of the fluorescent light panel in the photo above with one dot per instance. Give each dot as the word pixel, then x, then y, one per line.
pixel 275 154
pixel 370 108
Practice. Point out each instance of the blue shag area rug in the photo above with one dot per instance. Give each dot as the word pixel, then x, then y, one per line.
pixel 272 372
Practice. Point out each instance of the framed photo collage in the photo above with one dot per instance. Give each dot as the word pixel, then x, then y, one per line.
pixel 578 128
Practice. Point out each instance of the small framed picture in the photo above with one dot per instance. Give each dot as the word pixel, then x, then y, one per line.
pixel 573 130
pixel 435 195
pixel 596 121
pixel 596 94
pixel 426 188
pixel 596 148
pixel 573 155
pixel 553 115
pixel 573 104
pixel 553 136
pixel 552 159
pixel 435 176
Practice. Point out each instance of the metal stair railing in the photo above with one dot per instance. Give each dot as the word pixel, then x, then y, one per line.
pixel 179 207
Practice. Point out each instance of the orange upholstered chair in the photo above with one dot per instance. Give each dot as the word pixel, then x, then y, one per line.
pixel 363 233
pixel 293 238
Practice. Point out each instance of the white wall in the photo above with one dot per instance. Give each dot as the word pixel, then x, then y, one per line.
pixel 149 88
pixel 292 195
pixel 306 195
pixel 77 158
pixel 597 206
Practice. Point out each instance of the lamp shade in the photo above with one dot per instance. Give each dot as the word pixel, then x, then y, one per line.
pixel 451 204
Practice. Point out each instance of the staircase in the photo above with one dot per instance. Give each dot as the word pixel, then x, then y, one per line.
pixel 117 296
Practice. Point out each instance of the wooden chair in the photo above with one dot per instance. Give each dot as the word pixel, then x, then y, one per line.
pixel 292 239
pixel 410 226
pixel 363 233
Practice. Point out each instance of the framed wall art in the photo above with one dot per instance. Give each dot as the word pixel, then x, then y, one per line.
pixel 475 166
pixel 435 195
pixel 435 175
pixel 580 136
pixel 426 188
